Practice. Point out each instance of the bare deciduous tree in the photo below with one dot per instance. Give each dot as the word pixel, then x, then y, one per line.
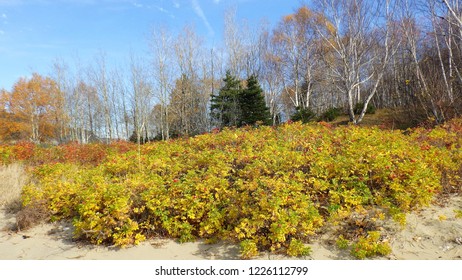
pixel 363 44
pixel 161 46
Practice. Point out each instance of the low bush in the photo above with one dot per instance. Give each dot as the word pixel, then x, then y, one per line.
pixel 360 106
pixel 331 114
pixel 31 215
pixel 303 115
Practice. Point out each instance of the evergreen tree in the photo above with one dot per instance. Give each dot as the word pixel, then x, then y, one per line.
pixel 252 104
pixel 224 107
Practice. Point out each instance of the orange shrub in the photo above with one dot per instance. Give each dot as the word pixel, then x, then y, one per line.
pixel 23 150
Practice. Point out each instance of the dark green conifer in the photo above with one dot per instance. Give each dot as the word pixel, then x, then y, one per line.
pixel 224 108
pixel 252 104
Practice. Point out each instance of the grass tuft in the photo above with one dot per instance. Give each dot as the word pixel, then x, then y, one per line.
pixel 12 179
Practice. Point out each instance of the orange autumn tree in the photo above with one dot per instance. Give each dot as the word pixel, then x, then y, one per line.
pixel 11 127
pixel 33 111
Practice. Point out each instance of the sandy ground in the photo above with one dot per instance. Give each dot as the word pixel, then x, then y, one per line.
pixel 431 234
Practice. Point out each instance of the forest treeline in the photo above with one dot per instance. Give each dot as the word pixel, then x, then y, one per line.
pixel 329 56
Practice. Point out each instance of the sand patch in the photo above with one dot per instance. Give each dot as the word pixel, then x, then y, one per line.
pixel 430 234
pixel 433 233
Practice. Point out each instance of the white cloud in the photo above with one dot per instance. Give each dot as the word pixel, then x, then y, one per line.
pixel 162 10
pixel 216 1
pixel 137 5
pixel 200 13
pixel 4 16
pixel 176 4
pixel 2 32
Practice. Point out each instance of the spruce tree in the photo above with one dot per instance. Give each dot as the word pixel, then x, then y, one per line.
pixel 224 108
pixel 252 104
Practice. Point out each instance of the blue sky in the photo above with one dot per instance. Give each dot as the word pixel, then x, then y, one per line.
pixel 33 33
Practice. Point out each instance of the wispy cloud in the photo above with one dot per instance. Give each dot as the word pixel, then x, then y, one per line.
pixel 176 4
pixel 160 9
pixel 216 1
pixel 2 32
pixel 200 13
pixel 163 10
pixel 4 21
pixel 137 5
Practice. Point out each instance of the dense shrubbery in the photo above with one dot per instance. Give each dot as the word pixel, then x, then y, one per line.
pixel 270 188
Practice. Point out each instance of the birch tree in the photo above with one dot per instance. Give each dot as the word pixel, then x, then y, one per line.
pixel 161 46
pixel 360 57
pixel 100 79
pixel 234 45
pixel 188 100
pixel 446 19
pixel 141 99
pixel 295 51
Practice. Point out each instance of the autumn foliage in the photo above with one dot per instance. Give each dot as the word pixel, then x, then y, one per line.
pixel 33 110
pixel 80 154
pixel 271 188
